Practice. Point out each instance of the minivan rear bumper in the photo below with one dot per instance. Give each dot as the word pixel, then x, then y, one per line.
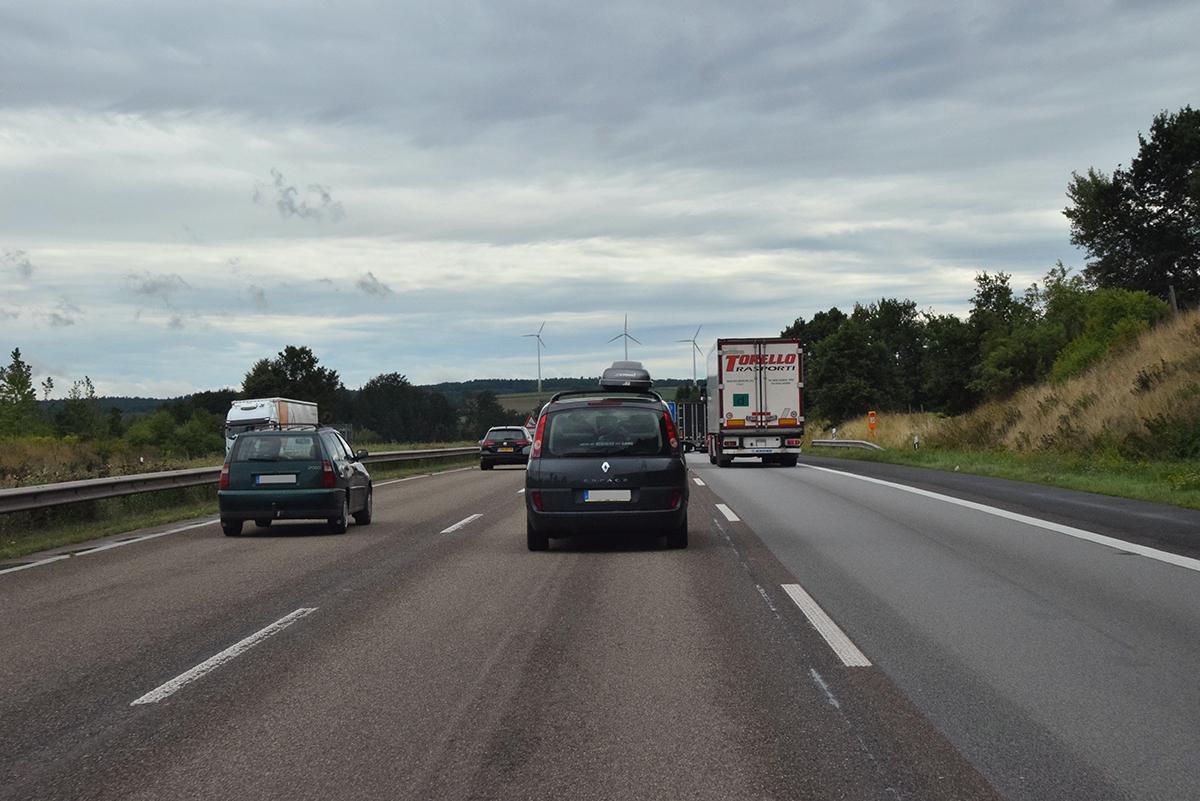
pixel 299 504
pixel 605 522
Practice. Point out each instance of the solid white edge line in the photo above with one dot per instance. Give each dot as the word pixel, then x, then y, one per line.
pixel 1100 539
pixel 460 524
pixel 846 650
pixel 214 662
pixel 108 546
pixel 420 475
pixel 729 515
pixel 698 481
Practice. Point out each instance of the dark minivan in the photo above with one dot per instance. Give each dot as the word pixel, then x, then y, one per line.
pixel 607 461
pixel 293 474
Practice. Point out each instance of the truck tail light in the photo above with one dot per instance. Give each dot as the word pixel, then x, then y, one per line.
pixel 535 498
pixel 729 443
pixel 672 437
pixel 223 483
pixel 536 451
pixel 327 478
pixel 794 443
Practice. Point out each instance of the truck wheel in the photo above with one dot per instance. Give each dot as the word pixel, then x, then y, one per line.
pixel 712 456
pixel 232 528
pixel 534 540
pixel 724 461
pixel 791 460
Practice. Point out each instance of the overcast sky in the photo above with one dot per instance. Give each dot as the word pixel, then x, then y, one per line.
pixel 409 187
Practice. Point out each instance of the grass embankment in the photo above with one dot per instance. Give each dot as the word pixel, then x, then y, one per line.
pixel 27 532
pixel 1128 427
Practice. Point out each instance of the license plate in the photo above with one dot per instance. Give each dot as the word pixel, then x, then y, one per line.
pixel 762 450
pixel 289 478
pixel 592 496
pixel 505 450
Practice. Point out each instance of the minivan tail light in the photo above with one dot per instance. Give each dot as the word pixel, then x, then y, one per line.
pixel 327 477
pixel 224 482
pixel 672 439
pixel 535 498
pixel 676 498
pixel 536 451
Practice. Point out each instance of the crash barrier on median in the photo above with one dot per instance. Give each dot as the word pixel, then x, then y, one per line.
pixel 846 443
pixel 41 496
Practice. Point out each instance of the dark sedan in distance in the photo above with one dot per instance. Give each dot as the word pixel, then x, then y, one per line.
pixel 503 445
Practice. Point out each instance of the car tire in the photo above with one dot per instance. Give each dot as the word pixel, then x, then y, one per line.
pixel 232 528
pixel 485 465
pixel 679 537
pixel 338 525
pixel 534 540
pixel 263 523
pixel 363 517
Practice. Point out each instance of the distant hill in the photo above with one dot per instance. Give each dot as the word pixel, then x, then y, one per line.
pixel 456 391
pixel 128 406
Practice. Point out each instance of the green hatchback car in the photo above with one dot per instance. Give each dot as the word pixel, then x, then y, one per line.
pixel 293 474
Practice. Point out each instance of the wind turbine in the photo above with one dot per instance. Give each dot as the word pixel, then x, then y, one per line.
pixel 540 345
pixel 627 337
pixel 695 349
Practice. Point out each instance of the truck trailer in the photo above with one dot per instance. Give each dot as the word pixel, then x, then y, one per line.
pixel 755 401
pixel 258 413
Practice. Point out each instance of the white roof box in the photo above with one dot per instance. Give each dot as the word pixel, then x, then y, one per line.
pixel 626 375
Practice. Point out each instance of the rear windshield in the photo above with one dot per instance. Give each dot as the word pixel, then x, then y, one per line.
pixel 605 431
pixel 276 448
pixel 506 433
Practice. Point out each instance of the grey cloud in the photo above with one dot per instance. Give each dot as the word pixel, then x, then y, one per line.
pixel 9 314
pixel 19 261
pixel 65 313
pixel 371 285
pixel 176 322
pixel 258 297
pixel 316 204
pixel 233 262
pixel 162 287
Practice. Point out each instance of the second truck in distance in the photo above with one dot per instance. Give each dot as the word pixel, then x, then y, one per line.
pixel 755 400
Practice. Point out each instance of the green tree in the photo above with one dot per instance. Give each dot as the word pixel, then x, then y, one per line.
pixel 848 372
pixel 822 324
pixel 19 412
pixel 1113 317
pixel 79 415
pixel 1141 226
pixel 896 326
pixel 295 373
pixel 951 353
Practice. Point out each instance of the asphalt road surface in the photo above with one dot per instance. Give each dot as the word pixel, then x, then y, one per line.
pixel 430 655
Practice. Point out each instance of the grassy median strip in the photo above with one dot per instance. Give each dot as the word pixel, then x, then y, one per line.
pixel 1173 482
pixel 23 533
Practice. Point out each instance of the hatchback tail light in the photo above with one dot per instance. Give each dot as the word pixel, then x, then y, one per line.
pixel 487 443
pixel 224 482
pixel 672 439
pixel 328 481
pixel 536 451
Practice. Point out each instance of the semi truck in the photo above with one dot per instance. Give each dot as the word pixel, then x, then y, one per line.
pixel 257 413
pixel 755 401
pixel 691 425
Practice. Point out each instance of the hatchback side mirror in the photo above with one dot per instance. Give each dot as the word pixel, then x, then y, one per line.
pixel 360 455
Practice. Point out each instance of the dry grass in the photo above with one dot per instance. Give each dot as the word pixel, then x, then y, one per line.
pixel 1115 404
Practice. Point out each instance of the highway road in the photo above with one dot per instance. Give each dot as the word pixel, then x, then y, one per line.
pixel 823 637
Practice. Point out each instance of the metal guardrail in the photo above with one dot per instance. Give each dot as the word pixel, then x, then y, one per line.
pixel 41 496
pixel 846 443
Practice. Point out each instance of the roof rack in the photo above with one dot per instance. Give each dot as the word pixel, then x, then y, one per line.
pixel 647 393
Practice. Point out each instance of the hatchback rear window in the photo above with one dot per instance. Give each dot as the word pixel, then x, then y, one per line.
pixel 605 431
pixel 506 433
pixel 289 448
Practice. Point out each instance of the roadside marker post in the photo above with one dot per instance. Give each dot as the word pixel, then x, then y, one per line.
pixel 871 423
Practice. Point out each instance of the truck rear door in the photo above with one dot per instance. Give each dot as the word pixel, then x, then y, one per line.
pixel 778 385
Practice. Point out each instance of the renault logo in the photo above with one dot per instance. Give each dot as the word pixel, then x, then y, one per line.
pixel 605 467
